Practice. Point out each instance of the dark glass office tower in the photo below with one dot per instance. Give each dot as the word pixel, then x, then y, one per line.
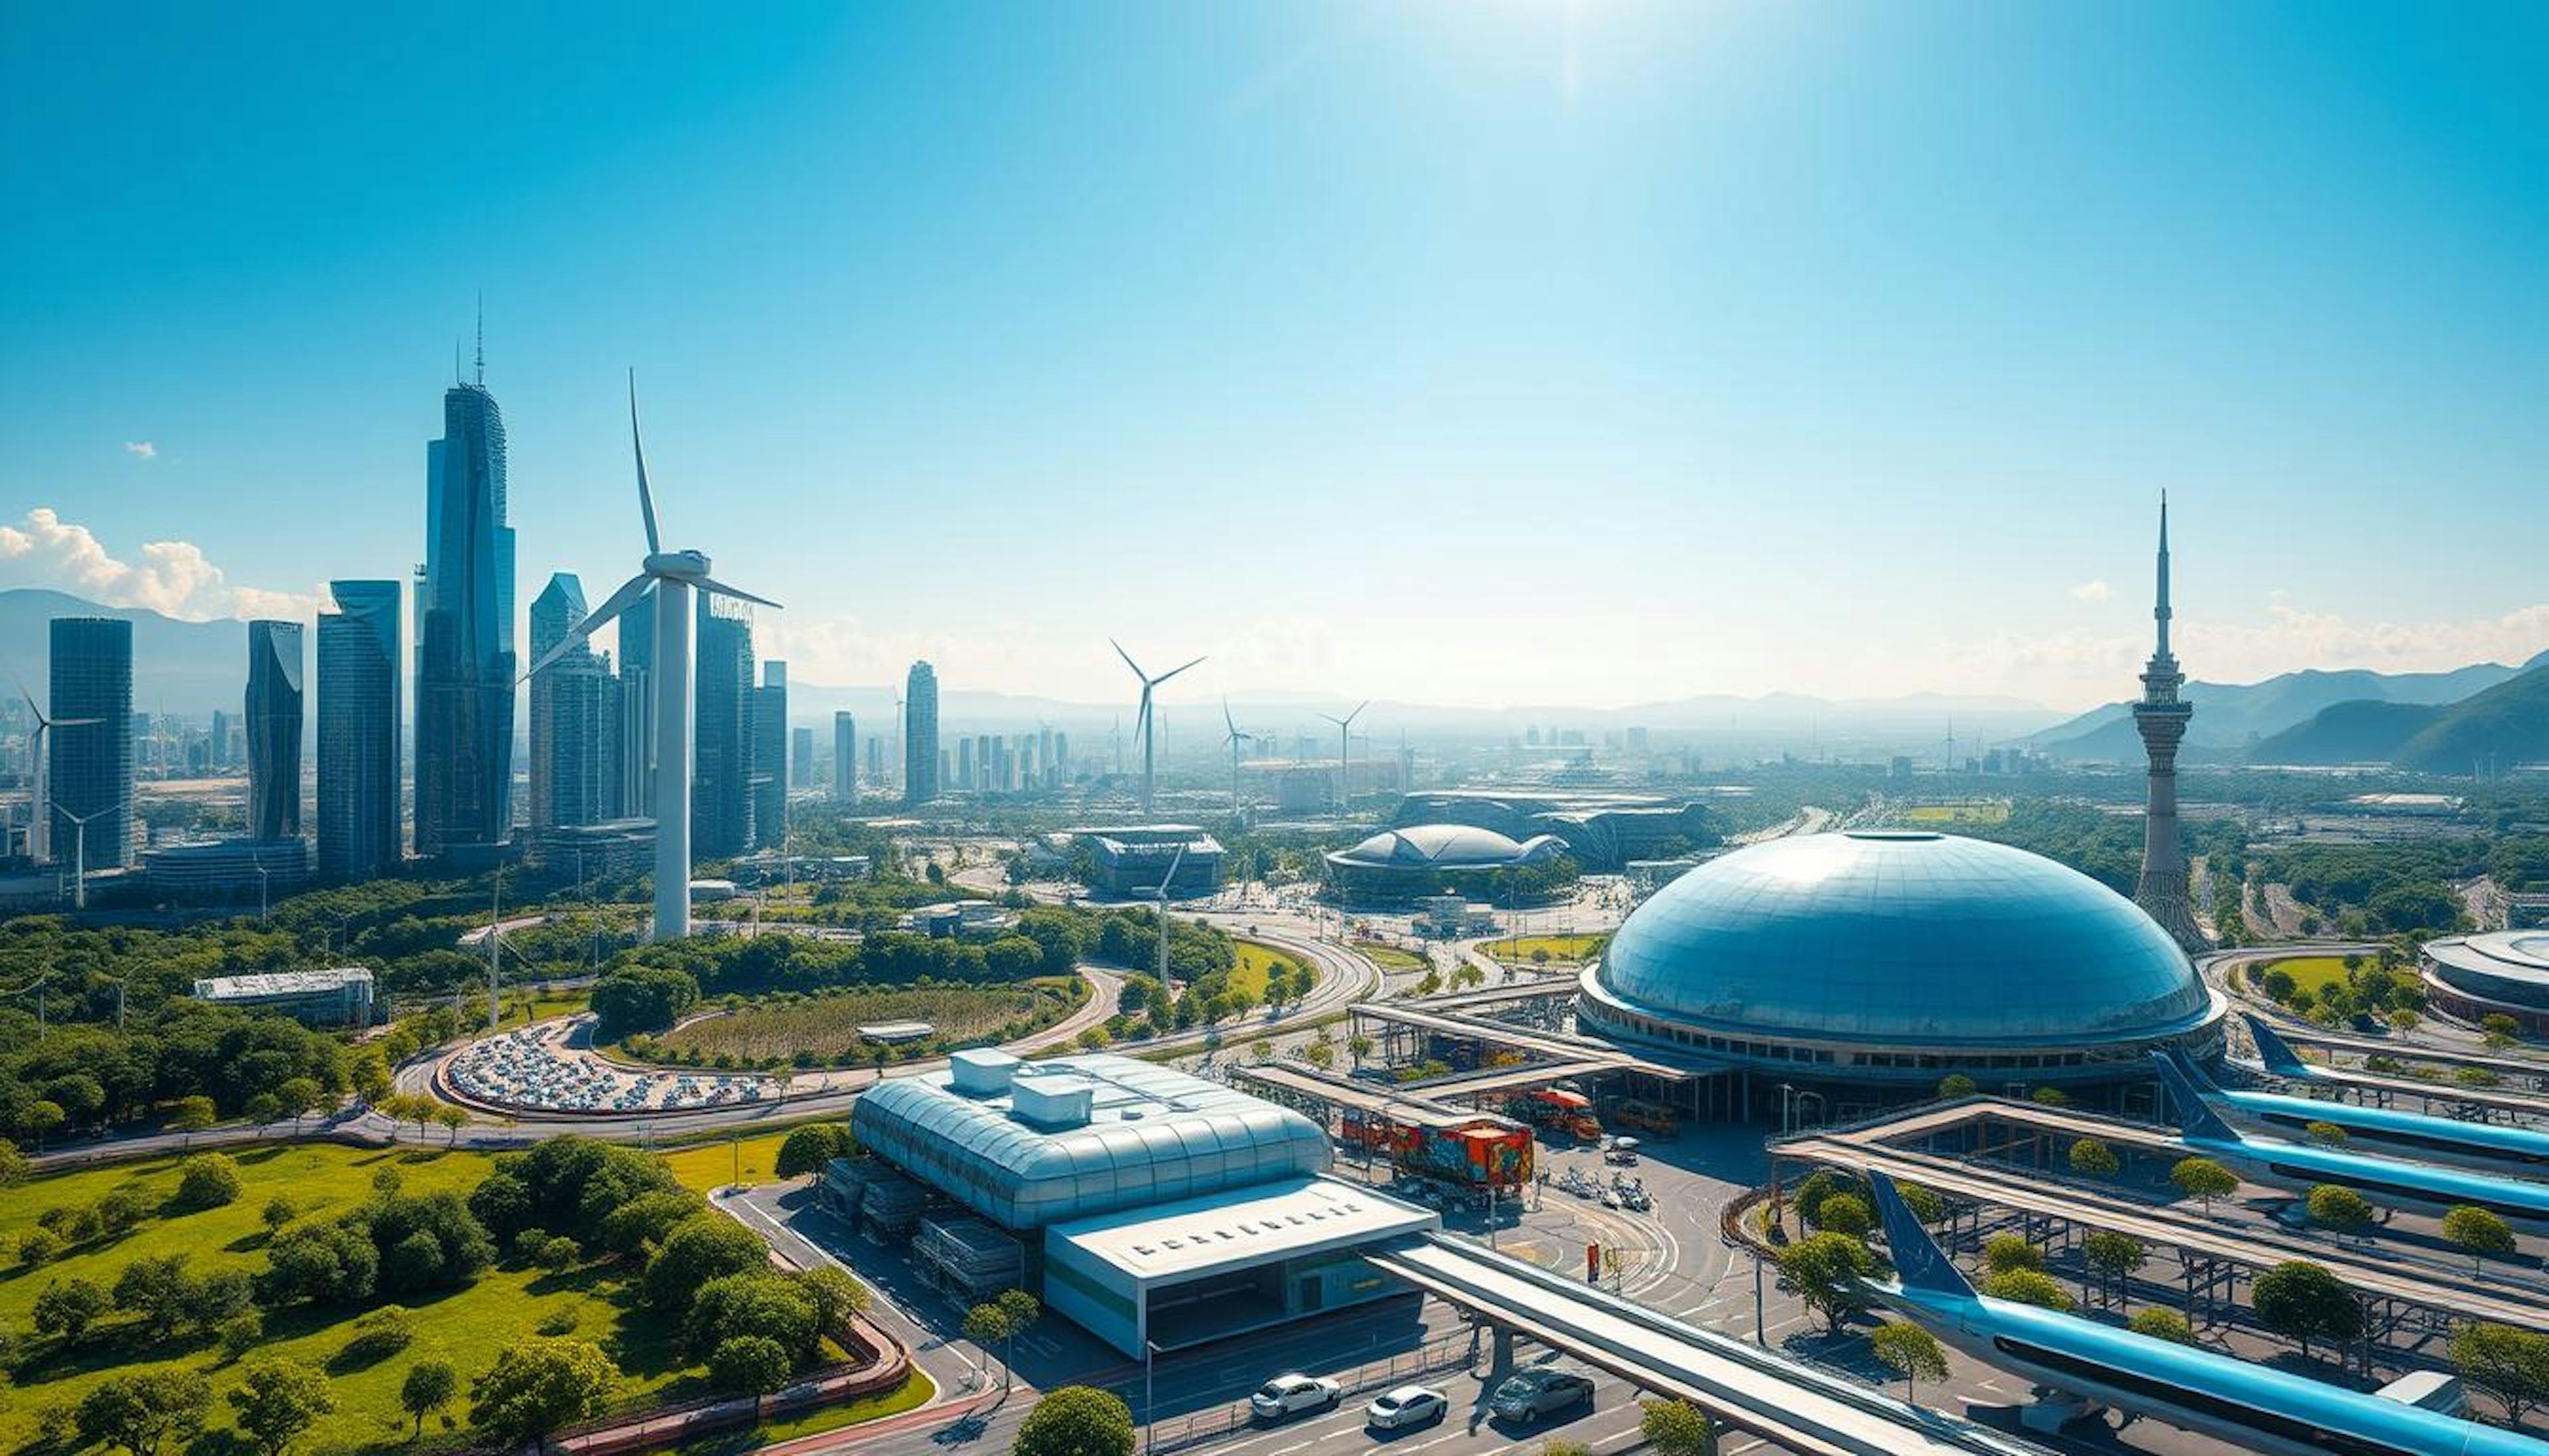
pixel 573 702
pixel 920 734
pixel 845 758
pixel 721 725
pixel 465 664
pixel 770 757
pixel 273 717
pixel 91 777
pixel 359 676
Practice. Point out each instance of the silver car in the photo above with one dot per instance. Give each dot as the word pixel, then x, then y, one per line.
pixel 1529 1395
pixel 1287 1396
pixel 1408 1404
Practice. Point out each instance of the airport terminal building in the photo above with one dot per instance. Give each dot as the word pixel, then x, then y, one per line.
pixel 1861 969
pixel 1399 866
pixel 1143 1203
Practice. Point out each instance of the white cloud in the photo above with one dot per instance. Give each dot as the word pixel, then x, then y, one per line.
pixel 143 448
pixel 173 578
pixel 2092 592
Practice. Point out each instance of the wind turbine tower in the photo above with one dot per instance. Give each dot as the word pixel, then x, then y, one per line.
pixel 672 575
pixel 1345 750
pixel 1143 723
pixel 1233 739
pixel 40 818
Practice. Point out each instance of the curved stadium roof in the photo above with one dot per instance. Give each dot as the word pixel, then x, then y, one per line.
pixel 1901 939
pixel 1447 847
pixel 2508 965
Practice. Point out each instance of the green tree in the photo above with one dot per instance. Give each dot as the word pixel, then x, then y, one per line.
pixel 2092 1158
pixel 2114 1257
pixel 142 1409
pixel 14 1165
pixel 539 1385
pixel 206 1181
pixel 277 1400
pixel 1845 1213
pixel 2157 1323
pixel 429 1386
pixel 123 1207
pixel 2304 1301
pixel 67 1307
pixel 2325 1134
pixel 1909 1351
pixel 38 1247
pixel 838 1298
pixel 1359 1046
pixel 2050 1097
pixel 1954 1085
pixel 2479 1233
pixel 2003 1252
pixel 2334 1206
pixel 805 1150
pixel 762 1301
pixel 2027 1287
pixel 705 1246
pixel 278 1211
pixel 1676 1429
pixel 1828 1273
pixel 1076 1420
pixel 2511 1365
pixel 192 1114
pixel 749 1364
pixel 2203 1179
pixel 1319 1054
pixel 153 1288
pixel 297 1097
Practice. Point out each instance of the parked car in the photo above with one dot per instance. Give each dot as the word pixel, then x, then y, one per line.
pixel 1287 1395
pixel 1409 1404
pixel 1528 1396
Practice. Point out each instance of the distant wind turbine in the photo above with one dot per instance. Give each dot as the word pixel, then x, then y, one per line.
pixel 671 576
pixel 1143 723
pixel 1232 741
pixel 1345 749
pixel 79 852
pixel 40 843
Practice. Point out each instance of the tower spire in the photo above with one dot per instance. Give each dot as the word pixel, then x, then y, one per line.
pixel 482 384
pixel 2160 612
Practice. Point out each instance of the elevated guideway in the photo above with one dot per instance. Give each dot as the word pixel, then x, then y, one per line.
pixel 1546 1046
pixel 1369 1099
pixel 1519 994
pixel 2428 1288
pixel 2525 1071
pixel 2381 1088
pixel 1791 1405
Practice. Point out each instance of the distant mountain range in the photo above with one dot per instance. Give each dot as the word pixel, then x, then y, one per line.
pixel 184 667
pixel 2505 725
pixel 2233 721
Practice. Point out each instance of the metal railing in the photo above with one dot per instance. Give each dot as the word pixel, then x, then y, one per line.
pixel 1458 1352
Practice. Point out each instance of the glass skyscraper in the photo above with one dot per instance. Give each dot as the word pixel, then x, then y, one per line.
pixel 845 758
pixel 572 704
pixel 91 775
pixel 770 757
pixel 359 674
pixel 274 708
pixel 722 723
pixel 920 734
pixel 635 749
pixel 465 664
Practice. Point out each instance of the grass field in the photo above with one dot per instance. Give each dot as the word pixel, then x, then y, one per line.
pixel 2313 973
pixel 827 1026
pixel 708 1166
pixel 465 1326
pixel 908 1395
pixel 1255 961
pixel 1392 958
pixel 1984 812
pixel 1562 950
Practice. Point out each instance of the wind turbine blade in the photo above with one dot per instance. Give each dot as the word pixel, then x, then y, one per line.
pixel 1128 662
pixel 28 696
pixel 1357 713
pixel 1170 672
pixel 1225 717
pixel 620 600
pixel 72 722
pixel 645 498
pixel 720 589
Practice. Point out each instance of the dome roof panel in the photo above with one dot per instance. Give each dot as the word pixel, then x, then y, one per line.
pixel 1901 936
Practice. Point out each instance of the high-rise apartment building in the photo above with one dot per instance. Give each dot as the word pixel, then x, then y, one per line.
pixel 217 754
pixel 845 758
pixel 800 758
pixel 770 757
pixel 964 763
pixel 274 711
pixel 90 777
pixel 359 674
pixel 465 663
pixel 920 734
pixel 574 708
pixel 721 730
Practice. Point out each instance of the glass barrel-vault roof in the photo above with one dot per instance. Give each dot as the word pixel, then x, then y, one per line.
pixel 1901 938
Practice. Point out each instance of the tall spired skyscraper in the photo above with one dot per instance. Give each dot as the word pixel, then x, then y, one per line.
pixel 2161 718
pixel 465 664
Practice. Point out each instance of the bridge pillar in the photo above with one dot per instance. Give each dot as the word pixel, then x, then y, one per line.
pixel 1500 1363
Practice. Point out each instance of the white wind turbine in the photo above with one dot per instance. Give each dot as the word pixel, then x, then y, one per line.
pixel 1142 721
pixel 79 850
pixel 1345 749
pixel 39 842
pixel 671 576
pixel 1232 740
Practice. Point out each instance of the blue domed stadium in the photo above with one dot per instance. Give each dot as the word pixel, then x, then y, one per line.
pixel 1899 957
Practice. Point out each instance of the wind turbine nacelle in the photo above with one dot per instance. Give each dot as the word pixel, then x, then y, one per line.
pixel 682 565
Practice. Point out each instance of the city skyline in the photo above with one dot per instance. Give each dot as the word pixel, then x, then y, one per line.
pixel 1764 460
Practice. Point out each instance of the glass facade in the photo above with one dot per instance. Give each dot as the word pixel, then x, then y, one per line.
pixel 1899 940
pixel 921 734
pixel 90 774
pixel 359 731
pixel 273 718
pixel 465 664
pixel 1153 1135
pixel 722 764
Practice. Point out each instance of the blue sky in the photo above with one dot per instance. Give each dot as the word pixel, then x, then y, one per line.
pixel 1468 352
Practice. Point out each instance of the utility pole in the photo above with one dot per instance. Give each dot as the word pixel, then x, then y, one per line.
pixel 495 918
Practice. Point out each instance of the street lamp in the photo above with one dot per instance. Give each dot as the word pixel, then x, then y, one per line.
pixel 1786 1095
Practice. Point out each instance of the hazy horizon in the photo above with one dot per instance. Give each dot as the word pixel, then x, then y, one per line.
pixel 1472 355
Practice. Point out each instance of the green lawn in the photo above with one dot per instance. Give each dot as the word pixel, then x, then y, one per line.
pixel 465 1326
pixel 1255 961
pixel 712 1165
pixel 2313 973
pixel 908 1395
pixel 1562 950
pixel 1392 958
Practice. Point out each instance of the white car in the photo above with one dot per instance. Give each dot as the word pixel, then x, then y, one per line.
pixel 1409 1404
pixel 1287 1395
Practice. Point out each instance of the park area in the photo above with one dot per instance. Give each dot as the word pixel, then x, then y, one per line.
pixel 1256 962
pixel 1979 811
pixel 2313 973
pixel 1545 950
pixel 1393 957
pixel 824 1028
